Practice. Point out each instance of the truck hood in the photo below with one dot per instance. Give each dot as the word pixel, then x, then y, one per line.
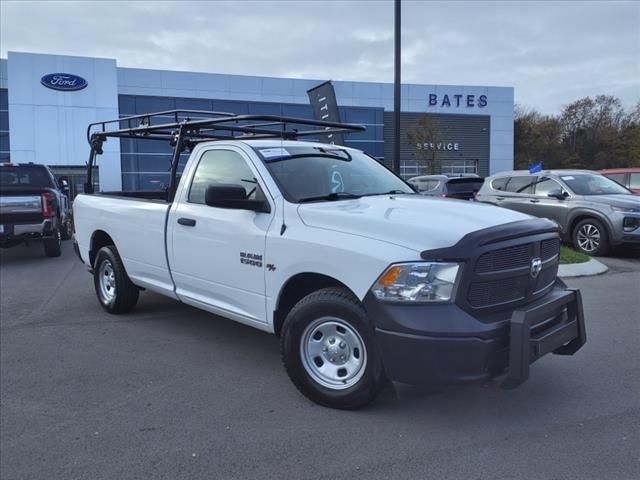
pixel 412 221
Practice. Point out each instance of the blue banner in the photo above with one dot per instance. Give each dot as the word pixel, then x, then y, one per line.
pixel 535 168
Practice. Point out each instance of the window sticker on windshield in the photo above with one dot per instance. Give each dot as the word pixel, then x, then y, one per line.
pixel 568 177
pixel 274 153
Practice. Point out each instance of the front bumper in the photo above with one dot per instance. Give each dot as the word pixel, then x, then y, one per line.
pixel 627 231
pixel 425 344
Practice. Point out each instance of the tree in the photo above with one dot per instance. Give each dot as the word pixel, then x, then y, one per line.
pixel 593 133
pixel 536 138
pixel 426 136
pixel 574 119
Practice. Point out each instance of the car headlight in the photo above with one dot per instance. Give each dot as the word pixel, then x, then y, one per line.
pixel 625 210
pixel 420 282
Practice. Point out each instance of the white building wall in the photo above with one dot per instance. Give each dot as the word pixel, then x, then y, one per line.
pixel 49 126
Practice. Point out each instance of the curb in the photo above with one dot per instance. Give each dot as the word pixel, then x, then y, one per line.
pixel 592 267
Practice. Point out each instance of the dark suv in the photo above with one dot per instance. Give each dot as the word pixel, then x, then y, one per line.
pixel 33 205
pixel 592 211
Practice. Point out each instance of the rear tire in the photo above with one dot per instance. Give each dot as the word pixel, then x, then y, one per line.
pixel 67 231
pixel 329 350
pixel 591 237
pixel 116 293
pixel 52 246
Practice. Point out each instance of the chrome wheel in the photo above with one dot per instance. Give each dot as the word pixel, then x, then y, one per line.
pixel 107 281
pixel 589 237
pixel 333 353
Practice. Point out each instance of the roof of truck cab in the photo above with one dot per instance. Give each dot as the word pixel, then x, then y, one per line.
pixel 275 143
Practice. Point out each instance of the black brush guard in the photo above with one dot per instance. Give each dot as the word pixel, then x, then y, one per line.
pixel 527 344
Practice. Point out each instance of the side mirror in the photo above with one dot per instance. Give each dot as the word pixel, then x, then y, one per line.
pixel 557 193
pixel 233 196
pixel 64 186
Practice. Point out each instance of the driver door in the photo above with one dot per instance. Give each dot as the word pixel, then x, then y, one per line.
pixel 216 254
pixel 542 205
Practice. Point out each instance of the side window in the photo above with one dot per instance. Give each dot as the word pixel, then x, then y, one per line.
pixel 424 185
pixel 499 183
pixel 545 184
pixel 521 184
pixel 429 185
pixel 634 181
pixel 221 166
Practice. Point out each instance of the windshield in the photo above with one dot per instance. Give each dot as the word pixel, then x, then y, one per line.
pixel 24 175
pixel 593 184
pixel 328 173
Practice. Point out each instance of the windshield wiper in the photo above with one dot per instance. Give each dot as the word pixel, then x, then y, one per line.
pixel 330 197
pixel 390 192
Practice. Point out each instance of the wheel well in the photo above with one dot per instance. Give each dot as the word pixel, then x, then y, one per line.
pixel 295 289
pixel 99 239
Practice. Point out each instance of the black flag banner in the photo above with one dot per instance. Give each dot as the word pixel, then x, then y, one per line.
pixel 325 107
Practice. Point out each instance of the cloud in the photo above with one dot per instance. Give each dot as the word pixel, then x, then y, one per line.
pixel 551 52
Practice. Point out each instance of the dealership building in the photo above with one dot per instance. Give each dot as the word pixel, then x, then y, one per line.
pixel 47 101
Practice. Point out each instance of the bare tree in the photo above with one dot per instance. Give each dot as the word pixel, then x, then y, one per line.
pixel 425 137
pixel 574 120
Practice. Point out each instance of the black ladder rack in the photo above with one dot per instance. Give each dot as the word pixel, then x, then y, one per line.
pixel 185 128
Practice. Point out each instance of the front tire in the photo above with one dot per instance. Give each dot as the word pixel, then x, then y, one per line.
pixel 115 291
pixel 329 350
pixel 53 245
pixel 591 237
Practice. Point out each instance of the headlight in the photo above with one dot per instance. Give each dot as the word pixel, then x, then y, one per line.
pixel 432 282
pixel 625 210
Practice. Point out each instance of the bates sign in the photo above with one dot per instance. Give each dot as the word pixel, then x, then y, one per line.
pixel 63 81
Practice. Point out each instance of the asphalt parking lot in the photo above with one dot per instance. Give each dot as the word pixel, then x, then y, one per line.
pixel 170 392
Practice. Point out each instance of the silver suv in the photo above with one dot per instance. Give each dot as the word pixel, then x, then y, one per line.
pixel 594 212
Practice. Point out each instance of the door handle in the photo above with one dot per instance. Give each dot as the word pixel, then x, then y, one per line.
pixel 499 198
pixel 534 200
pixel 187 222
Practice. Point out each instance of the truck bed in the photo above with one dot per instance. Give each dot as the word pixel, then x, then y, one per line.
pixel 136 226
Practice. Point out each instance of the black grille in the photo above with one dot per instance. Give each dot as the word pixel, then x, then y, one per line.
pixel 496 292
pixel 549 248
pixel 505 259
pixel 503 277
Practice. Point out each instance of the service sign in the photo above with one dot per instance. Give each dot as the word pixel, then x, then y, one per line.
pixel 63 81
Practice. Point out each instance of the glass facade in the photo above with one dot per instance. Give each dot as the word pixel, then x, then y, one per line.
pixel 146 163
pixel 4 125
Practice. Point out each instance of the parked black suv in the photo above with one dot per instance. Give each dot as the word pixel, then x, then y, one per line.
pixel 33 205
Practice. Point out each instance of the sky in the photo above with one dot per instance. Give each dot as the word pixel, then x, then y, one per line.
pixel 551 52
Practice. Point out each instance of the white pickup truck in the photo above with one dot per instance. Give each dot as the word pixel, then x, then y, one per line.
pixel 362 279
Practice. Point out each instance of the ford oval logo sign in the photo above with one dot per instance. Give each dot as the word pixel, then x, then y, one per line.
pixel 63 81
